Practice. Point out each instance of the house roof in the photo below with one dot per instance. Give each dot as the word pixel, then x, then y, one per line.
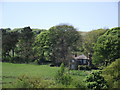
pixel 81 57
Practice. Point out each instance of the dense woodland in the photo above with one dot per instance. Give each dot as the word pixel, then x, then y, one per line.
pixel 56 45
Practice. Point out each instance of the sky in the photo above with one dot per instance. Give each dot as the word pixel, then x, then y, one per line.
pixel 85 16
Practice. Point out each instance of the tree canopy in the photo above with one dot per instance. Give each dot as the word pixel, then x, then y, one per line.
pixel 90 38
pixel 107 47
pixel 64 39
pixel 57 43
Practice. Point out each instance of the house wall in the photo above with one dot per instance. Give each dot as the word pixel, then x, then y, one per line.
pixel 74 64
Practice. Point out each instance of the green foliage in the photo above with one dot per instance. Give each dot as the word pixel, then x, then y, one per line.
pixel 42 46
pixel 17 59
pixel 24 47
pixel 64 39
pixel 96 81
pixel 28 82
pixel 8 43
pixel 78 84
pixel 106 50
pixel 56 44
pixel 90 38
pixel 112 74
pixel 84 67
pixel 62 76
pixel 37 31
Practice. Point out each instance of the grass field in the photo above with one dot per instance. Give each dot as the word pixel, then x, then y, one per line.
pixel 12 71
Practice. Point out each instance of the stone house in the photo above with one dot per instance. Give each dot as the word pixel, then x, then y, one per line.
pixel 80 60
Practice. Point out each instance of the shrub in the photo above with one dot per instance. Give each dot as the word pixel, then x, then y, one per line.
pixel 96 81
pixel 28 82
pixel 6 59
pixel 84 67
pixel 63 76
pixel 36 62
pixel 112 74
pixel 18 60
pixel 94 67
pixel 101 67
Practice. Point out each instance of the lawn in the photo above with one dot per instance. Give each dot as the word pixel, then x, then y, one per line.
pixel 11 71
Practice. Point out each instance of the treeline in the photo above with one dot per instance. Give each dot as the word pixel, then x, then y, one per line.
pixel 17 44
pixel 58 44
pixel 24 45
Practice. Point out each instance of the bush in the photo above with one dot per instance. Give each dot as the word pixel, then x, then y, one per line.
pixel 101 67
pixel 84 67
pixel 96 81
pixel 94 67
pixel 17 60
pixel 63 76
pixel 6 59
pixel 28 82
pixel 112 74
pixel 36 62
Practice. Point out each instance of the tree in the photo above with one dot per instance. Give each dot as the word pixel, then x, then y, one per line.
pixel 112 74
pixel 42 46
pixel 90 38
pixel 96 81
pixel 14 39
pixel 5 42
pixel 9 40
pixel 64 39
pixel 24 47
pixel 106 50
pixel 38 31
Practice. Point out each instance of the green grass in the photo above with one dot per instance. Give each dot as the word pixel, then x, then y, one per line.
pixel 11 71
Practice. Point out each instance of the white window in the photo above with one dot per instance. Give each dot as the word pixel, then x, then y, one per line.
pixel 73 60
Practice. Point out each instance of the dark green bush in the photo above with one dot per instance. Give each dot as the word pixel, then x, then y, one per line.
pixel 6 59
pixel 84 67
pixel 18 60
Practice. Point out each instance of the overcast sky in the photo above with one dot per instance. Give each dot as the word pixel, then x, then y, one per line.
pixel 85 16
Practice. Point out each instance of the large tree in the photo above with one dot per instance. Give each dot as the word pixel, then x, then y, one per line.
pixel 64 39
pixel 57 43
pixel 107 48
